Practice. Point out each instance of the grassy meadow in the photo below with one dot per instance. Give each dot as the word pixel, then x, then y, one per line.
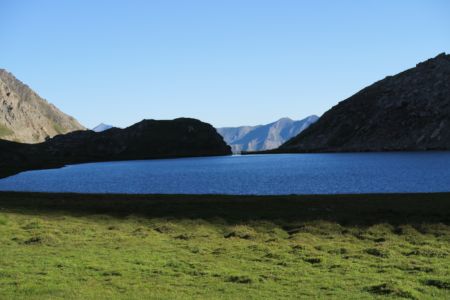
pixel 55 246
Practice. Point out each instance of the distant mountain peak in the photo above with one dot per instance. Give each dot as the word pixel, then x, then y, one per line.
pixel 285 119
pixel 102 127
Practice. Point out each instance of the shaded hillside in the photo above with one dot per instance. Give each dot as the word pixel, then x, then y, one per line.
pixel 144 140
pixel 264 137
pixel 26 117
pixel 408 111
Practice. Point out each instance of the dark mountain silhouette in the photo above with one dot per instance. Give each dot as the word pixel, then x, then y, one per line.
pixel 25 117
pixel 264 137
pixel 147 139
pixel 408 111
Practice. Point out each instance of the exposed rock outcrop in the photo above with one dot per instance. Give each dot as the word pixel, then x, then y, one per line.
pixel 26 117
pixel 406 112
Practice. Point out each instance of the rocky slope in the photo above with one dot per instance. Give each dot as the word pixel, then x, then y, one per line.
pixel 26 117
pixel 147 139
pixel 408 111
pixel 264 137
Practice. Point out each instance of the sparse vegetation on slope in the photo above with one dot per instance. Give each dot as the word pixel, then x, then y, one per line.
pixel 5 131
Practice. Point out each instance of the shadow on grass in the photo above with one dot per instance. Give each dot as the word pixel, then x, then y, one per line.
pixel 344 209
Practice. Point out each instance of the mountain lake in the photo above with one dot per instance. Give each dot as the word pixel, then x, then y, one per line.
pixel 271 174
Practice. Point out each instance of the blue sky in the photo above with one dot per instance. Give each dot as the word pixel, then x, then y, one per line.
pixel 225 62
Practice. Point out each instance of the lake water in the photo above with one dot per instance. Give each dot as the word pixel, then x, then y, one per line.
pixel 253 174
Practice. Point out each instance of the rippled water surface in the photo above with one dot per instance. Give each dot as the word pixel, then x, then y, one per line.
pixel 254 174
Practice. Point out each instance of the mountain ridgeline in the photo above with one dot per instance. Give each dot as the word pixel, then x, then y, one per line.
pixel 148 139
pixel 406 112
pixel 264 137
pixel 25 117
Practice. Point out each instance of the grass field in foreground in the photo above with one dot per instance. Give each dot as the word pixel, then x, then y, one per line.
pixel 176 247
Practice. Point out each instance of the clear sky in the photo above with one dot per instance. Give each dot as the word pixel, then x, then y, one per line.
pixel 234 62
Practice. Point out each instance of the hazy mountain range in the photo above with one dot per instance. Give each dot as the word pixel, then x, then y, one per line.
pixel 264 137
pixel 408 111
pixel 26 117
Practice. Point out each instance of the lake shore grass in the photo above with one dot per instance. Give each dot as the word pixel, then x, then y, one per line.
pixel 83 246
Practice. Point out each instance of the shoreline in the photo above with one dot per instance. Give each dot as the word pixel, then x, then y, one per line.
pixel 349 209
pixel 8 170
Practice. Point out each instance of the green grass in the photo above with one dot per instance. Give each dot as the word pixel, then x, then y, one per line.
pixel 58 128
pixel 56 246
pixel 5 131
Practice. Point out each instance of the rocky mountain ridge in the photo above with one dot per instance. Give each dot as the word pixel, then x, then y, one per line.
pixel 409 111
pixel 26 117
